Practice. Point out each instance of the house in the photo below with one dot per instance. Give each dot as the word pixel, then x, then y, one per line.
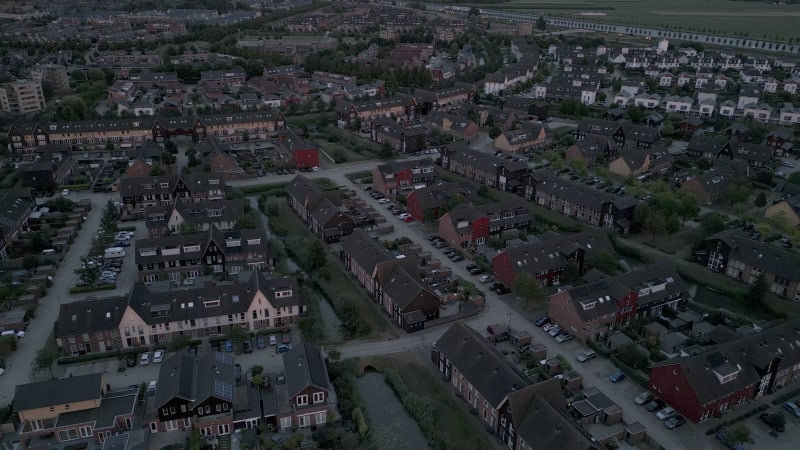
pixel 320 210
pixel 351 114
pixel 219 159
pixel 399 138
pixel 452 125
pixel 526 107
pixel 493 171
pixel 789 115
pixel 528 137
pixel 400 177
pixel 90 326
pixel 194 392
pixel 300 153
pixel 155 315
pixel 164 220
pixel 15 207
pixel 709 188
pixel 68 409
pixel 142 192
pixel 735 254
pixel 50 171
pixel 592 150
pixel 544 260
pixel 623 133
pixel 788 209
pixel 478 372
pixel 429 203
pixel 690 126
pixel 582 202
pixel 678 104
pixel 308 388
pixel 630 162
pixel 467 227
pixel 757 156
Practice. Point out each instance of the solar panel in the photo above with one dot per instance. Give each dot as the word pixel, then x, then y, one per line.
pixel 223 390
pixel 223 358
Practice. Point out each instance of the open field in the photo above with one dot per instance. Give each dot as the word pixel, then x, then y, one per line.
pixel 757 19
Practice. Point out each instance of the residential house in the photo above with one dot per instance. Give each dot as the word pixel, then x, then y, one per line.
pixel 74 408
pixel 90 326
pixel 527 137
pixel 452 125
pixel 478 372
pixel 320 210
pixel 308 388
pixel 432 201
pixel 714 149
pixel 788 210
pixel 499 173
pixel 15 207
pixel 735 254
pixel 194 392
pixel 164 220
pixel 50 171
pixel 399 138
pixel 590 311
pixel 579 201
pixel 467 227
pixel 592 150
pixel 630 162
pixel 218 158
pixel 181 258
pixel 254 302
pixel 362 113
pixel 678 104
pixel 400 177
pixel 709 188
pixel 624 133
pixel 142 192
pixel 789 115
pixel 298 152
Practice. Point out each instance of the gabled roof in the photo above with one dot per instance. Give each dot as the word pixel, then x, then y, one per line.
pixel 763 256
pixel 90 315
pixel 402 286
pixel 300 187
pixel 305 367
pixel 480 363
pixel 365 251
pixel 196 378
pixel 14 204
pixel 58 391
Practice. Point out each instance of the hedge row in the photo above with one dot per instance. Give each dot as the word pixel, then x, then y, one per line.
pixel 258 188
pixel 745 416
pixel 99 287
pixel 785 397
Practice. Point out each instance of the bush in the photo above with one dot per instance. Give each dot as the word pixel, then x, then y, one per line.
pixel 99 287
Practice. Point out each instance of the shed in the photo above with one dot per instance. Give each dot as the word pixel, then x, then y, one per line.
pixel 414 321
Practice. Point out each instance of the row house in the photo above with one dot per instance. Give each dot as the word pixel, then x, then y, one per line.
pixel 296 151
pixel 182 258
pixel 761 112
pixel 399 138
pixel 709 187
pixel 493 171
pixel 711 148
pixel 591 311
pixel 16 206
pixel 527 137
pixel 468 227
pixel 320 210
pixel 194 392
pixel 592 150
pixel 399 107
pixel 90 326
pixel 214 82
pixel 125 134
pixel 734 371
pixel 432 201
pixel 80 409
pixel 309 390
pixel 647 100
pixel 525 108
pixel 789 115
pixel 164 220
pixel 393 283
pixel 479 374
pixel 733 253
pixel 254 302
pixel 581 202
pixel 139 193
pixel 400 177
pixel 458 127
pixel 497 83
pixel 624 133
pixel 446 98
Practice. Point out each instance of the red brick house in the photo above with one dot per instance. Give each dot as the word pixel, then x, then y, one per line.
pixel 589 311
pixel 318 209
pixel 308 388
pixel 431 202
pixel 478 372
pixel 544 260
pixel 399 177
pixel 467 227
pixel 704 386
pixel 302 154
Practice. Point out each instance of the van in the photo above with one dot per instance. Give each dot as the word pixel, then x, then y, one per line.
pixel 114 252
pixel 48 252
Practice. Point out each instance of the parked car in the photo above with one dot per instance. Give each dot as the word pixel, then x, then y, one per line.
pixel 228 346
pixel 261 342
pixel 586 356
pixel 548 326
pixel 247 346
pixel 152 386
pixel 130 361
pixel 541 321
pixel 283 348
pixel 643 398
pixel 793 408
pixel 144 359
pixel 666 413
pixel 617 376
pixel 273 339
pixel 554 331
pixel 655 405
pixel 775 421
pixel 500 288
pixel 456 258
pixel 158 356
pixel 674 422
pixel 475 271
pixel 485 278
pixel 237 370
pixel 383 201
pixel 564 337
pixel 286 338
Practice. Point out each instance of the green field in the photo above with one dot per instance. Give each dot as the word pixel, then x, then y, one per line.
pixel 759 19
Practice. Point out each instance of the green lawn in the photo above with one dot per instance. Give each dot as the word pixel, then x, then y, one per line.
pixel 757 18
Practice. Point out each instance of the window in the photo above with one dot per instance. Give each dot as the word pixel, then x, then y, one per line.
pixel 302 421
pixel 224 429
pixel 86 431
pixel 302 400
pixel 319 397
pixel 320 418
pixel 286 422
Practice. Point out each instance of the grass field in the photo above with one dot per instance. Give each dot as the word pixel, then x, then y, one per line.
pixel 757 18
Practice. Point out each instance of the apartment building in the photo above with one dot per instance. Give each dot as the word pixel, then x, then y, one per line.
pixel 22 97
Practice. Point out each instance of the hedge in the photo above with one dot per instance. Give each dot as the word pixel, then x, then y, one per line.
pixel 784 397
pixel 76 187
pixel 258 188
pixel 745 416
pixel 634 374
pixel 99 287
pixel 597 347
pixel 119 354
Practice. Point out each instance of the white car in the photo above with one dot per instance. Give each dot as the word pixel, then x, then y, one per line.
pixel 65 192
pixel 666 413
pixel 404 215
pixel 315 169
pixel 151 386
pixel 485 278
pixel 158 356
pixel 144 359
pixel 383 201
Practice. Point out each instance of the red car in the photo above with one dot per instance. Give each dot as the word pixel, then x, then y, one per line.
pixel 287 338
pixel 408 219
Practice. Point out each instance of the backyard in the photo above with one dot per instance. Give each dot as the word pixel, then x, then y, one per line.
pixel 744 18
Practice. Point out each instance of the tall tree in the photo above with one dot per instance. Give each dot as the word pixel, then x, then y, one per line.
pixel 528 288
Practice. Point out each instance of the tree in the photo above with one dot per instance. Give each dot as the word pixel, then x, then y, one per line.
pixel 655 223
pixel 686 205
pixel 541 23
pixel 72 108
pixel 528 288
pixel 246 222
pixel 739 434
pixel 605 262
pixel 237 334
pixel 737 191
pixel 579 166
pixel 794 178
pixel 171 147
pixel 755 295
pixel 188 228
pixel 761 200
pixel 712 223
pixel 494 132
pixel 167 158
pixel 195 441
pixel 47 355
pixel 316 256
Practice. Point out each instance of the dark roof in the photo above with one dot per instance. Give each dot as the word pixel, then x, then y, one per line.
pixel 544 426
pixel 90 315
pixel 58 391
pixel 13 207
pixel 365 251
pixel 485 161
pixel 480 363
pixel 113 405
pixel 439 194
pixel 304 367
pixel 579 193
pixel 654 282
pixel 598 299
pixel 517 207
pixel 300 187
pixel 539 256
pixel 403 287
pixel 763 256
pixel 195 378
